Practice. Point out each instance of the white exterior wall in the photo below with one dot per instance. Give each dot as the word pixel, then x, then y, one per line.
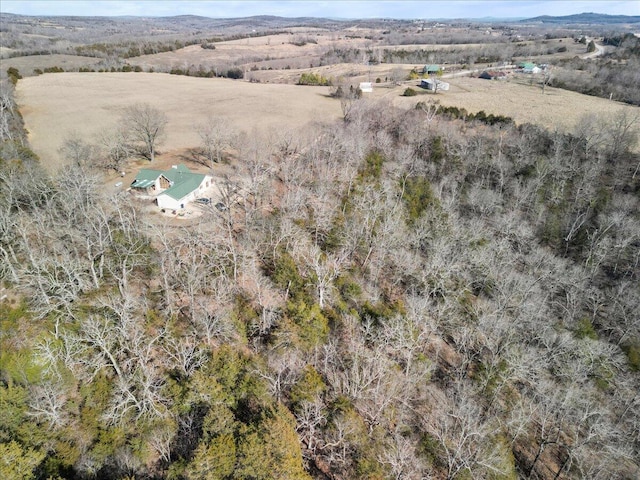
pixel 428 84
pixel 165 201
pixel 206 183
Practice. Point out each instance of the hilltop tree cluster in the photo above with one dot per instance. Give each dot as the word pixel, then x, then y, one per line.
pixel 405 295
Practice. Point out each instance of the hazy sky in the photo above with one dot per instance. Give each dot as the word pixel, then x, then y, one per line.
pixel 326 8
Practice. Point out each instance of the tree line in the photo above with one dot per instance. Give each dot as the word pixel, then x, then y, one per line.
pixel 404 294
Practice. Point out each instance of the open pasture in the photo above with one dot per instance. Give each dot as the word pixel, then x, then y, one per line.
pixel 554 109
pixel 27 64
pixel 56 106
pixel 294 50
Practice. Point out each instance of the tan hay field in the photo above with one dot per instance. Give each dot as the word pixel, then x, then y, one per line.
pixel 250 51
pixel 27 64
pixel 555 109
pixel 56 105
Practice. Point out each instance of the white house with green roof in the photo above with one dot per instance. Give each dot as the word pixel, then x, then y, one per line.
pixel 173 188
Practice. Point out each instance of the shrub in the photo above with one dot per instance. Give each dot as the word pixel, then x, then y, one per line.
pixel 308 386
pixel 349 290
pixel 284 273
pixel 311 325
pixel 633 355
pixel 413 74
pixel 235 73
pixel 409 92
pixel 585 329
pixel 14 75
pixel 437 151
pixel 418 196
pixel 314 79
pixel 372 168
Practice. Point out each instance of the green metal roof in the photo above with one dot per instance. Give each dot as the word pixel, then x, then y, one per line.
pixel 182 180
pixel 184 184
pixel 528 65
pixel 145 178
pixel 174 174
pixel 431 68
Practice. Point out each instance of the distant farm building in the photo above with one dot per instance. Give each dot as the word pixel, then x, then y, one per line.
pixel 173 188
pixel 366 87
pixel 434 84
pixel 528 67
pixel 431 69
pixel 493 75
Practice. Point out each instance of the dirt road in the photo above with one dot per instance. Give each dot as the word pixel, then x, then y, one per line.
pixel 596 53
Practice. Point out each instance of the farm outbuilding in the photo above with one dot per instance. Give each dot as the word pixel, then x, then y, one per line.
pixel 528 67
pixel 366 87
pixel 431 69
pixel 434 84
pixel 173 188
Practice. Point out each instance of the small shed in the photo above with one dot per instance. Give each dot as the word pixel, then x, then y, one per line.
pixel 431 69
pixel 366 87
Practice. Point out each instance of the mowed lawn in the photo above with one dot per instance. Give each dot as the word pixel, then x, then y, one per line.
pixel 56 106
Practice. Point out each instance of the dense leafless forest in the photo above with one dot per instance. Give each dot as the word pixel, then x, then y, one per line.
pixel 403 294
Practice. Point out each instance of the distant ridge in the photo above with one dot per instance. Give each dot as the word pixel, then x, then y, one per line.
pixel 585 18
pixel 272 21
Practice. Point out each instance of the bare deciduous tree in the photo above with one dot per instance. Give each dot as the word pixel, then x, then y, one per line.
pixel 216 135
pixel 78 151
pixel 116 148
pixel 145 124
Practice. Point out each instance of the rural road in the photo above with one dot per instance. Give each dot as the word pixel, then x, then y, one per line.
pixel 598 51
